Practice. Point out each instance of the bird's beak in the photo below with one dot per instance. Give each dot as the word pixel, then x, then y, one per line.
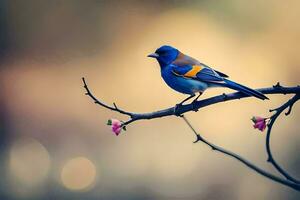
pixel 153 55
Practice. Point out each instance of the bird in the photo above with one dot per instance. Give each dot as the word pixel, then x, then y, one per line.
pixel 189 76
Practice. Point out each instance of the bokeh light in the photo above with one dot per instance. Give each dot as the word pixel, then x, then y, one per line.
pixel 29 162
pixel 78 174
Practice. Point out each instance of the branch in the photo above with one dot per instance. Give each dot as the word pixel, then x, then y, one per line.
pixel 96 101
pixel 179 111
pixel 288 105
pixel 192 106
pixel 243 160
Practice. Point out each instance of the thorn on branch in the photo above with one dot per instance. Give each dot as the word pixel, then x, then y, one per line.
pixel 289 110
pixel 272 110
pixel 277 85
pixel 115 105
pixel 198 138
pixel 225 97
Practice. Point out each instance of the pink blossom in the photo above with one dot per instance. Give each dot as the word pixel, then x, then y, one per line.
pixel 257 119
pixel 259 123
pixel 116 129
pixel 116 126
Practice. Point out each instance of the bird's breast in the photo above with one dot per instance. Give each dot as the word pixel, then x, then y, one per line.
pixel 181 84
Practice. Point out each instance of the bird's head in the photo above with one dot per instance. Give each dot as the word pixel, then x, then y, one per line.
pixel 165 55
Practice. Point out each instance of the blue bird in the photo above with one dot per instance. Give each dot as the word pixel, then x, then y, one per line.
pixel 189 76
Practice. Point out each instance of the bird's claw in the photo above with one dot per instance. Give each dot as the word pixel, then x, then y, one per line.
pixel 194 106
pixel 177 109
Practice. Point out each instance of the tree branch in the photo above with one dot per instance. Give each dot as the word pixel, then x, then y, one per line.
pixel 179 111
pixel 288 105
pixel 243 160
pixel 96 101
pixel 190 107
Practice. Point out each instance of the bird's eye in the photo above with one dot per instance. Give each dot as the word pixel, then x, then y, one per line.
pixel 161 53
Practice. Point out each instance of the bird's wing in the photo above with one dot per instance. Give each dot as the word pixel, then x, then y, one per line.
pixel 184 60
pixel 198 72
pixel 221 74
pixel 218 72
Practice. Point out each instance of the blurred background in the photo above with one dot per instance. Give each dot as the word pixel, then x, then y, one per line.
pixel 54 141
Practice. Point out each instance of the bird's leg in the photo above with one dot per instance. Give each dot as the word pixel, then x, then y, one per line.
pixel 195 100
pixel 200 93
pixel 186 99
pixel 177 106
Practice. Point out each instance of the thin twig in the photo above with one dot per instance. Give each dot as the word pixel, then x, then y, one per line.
pixel 241 159
pixel 96 101
pixel 288 105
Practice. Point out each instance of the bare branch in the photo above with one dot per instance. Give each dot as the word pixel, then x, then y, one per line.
pixel 288 105
pixel 241 159
pixel 195 106
pixel 192 106
pixel 96 101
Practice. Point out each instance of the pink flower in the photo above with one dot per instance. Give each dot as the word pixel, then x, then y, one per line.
pixel 116 126
pixel 260 123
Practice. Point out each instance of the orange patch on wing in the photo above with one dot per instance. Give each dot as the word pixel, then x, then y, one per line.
pixel 193 71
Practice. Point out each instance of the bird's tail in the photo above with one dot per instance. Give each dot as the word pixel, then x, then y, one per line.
pixel 244 89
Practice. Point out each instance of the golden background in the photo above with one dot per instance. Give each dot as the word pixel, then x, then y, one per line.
pixel 55 142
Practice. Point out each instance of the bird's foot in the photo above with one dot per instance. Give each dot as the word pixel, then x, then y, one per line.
pixel 177 109
pixel 195 102
pixel 194 106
